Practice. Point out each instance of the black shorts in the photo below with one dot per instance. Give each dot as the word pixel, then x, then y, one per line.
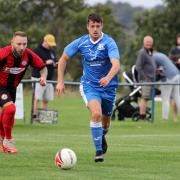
pixel 7 95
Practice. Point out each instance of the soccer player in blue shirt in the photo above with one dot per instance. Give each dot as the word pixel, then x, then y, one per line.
pixel 100 59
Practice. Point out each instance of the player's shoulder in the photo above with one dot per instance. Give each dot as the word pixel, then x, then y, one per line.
pixel 6 50
pixel 83 38
pixel 108 39
pixel 30 52
pixel 107 36
pixel 9 47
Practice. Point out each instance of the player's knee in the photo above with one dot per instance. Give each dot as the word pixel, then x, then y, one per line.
pixel 9 109
pixel 96 115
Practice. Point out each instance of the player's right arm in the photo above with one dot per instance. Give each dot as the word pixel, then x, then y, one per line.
pixel 61 70
pixel 69 51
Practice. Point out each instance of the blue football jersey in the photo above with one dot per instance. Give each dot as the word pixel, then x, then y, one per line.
pixel 96 57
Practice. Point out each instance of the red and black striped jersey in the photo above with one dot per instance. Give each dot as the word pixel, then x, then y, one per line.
pixel 12 69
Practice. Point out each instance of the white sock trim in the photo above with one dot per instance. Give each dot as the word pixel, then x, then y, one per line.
pixel 95 124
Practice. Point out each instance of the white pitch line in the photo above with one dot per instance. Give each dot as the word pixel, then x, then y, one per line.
pixel 109 135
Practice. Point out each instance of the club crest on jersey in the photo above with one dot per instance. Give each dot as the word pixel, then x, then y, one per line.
pixel 24 63
pixel 92 54
pixel 4 96
pixel 101 47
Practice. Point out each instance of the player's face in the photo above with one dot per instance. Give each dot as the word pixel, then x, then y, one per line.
pixel 19 44
pixel 95 30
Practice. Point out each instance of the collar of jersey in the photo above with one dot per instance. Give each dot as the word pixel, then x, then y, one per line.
pixel 94 42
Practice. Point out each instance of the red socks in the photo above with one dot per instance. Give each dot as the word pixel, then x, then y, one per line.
pixel 8 120
pixel 1 127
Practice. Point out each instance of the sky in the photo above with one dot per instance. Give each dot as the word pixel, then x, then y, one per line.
pixel 143 3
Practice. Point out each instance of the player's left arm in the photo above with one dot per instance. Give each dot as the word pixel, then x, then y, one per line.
pixel 113 71
pixel 38 63
pixel 113 53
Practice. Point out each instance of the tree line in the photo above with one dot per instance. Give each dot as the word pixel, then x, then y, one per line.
pixel 66 19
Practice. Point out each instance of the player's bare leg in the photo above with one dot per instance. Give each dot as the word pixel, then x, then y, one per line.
pixel 96 128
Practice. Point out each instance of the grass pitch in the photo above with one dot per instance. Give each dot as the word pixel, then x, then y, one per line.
pixel 137 150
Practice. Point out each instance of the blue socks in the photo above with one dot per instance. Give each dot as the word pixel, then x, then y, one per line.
pixel 97 132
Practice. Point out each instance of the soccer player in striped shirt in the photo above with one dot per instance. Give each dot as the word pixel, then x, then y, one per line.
pixel 14 60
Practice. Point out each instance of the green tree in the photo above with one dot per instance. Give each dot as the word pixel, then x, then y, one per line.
pixel 111 26
pixel 162 23
pixel 66 19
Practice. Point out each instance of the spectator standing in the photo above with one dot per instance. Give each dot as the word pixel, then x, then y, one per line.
pixel 146 69
pixel 46 52
pixel 170 74
pixel 174 53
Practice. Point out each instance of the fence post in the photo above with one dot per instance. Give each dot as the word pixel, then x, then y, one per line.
pixel 32 103
pixel 153 103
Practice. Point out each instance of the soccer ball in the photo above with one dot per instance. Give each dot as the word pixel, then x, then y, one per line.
pixel 65 158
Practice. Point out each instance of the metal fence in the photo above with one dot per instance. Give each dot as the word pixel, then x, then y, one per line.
pixel 153 84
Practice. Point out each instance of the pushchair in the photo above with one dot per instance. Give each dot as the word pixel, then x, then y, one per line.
pixel 127 106
pixel 132 77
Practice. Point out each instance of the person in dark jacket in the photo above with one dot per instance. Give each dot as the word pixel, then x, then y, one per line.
pixel 46 52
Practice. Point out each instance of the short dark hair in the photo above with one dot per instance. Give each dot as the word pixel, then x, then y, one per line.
pixel 94 17
pixel 19 33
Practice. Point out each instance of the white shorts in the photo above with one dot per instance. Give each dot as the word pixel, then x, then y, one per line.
pixel 44 92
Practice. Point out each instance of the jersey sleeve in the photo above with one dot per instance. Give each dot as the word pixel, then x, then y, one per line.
pixel 72 48
pixel 113 50
pixel 4 52
pixel 36 62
